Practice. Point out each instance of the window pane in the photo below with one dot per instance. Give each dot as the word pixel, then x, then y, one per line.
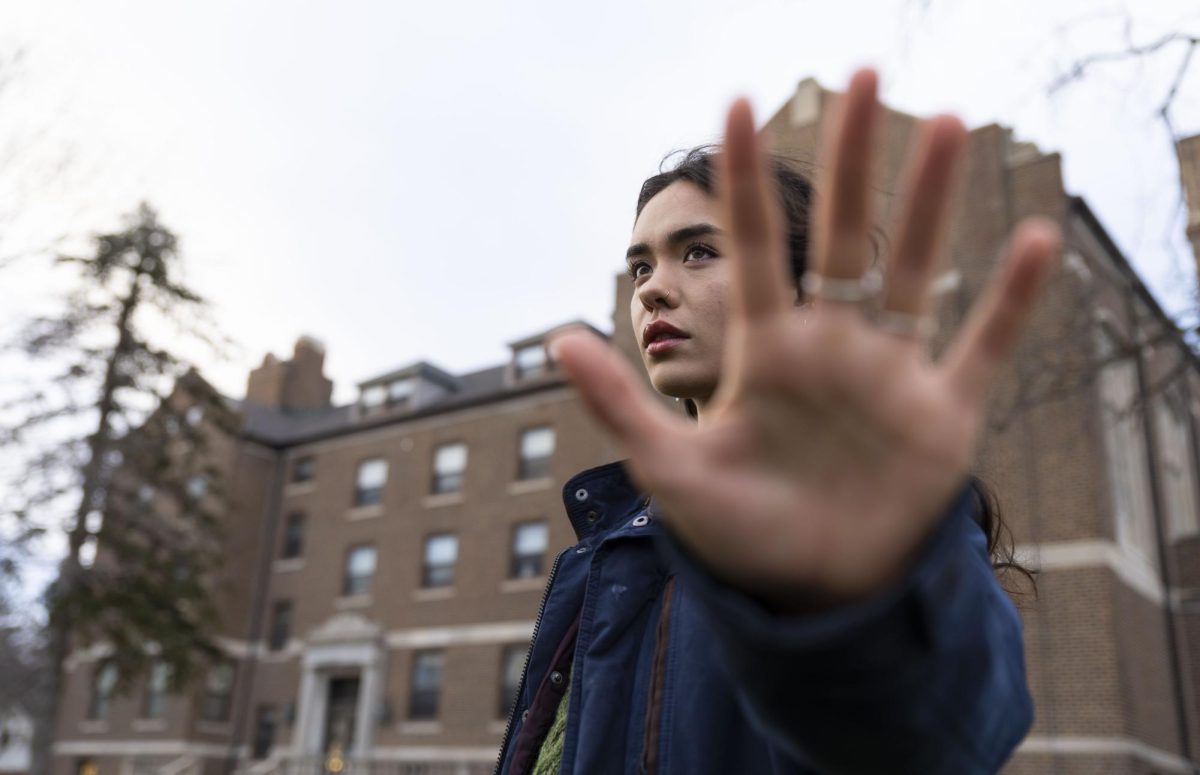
pixel 293 536
pixel 450 458
pixel 531 538
pixel 103 682
pixel 401 390
pixel 264 731
pixel 537 442
pixel 303 469
pixel 512 664
pixel 531 360
pixel 441 549
pixel 197 486
pixel 426 684
pixel 441 552
pixel 280 625
pixel 374 396
pixel 372 473
pixel 360 570
pixel 361 560
pixel 155 705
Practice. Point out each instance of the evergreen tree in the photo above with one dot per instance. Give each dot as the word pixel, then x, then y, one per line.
pixel 114 449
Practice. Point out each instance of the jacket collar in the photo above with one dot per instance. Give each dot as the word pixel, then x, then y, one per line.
pixel 601 498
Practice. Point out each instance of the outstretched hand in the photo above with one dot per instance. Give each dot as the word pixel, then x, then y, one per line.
pixel 832 445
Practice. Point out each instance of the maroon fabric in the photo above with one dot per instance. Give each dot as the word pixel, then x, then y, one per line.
pixel 544 706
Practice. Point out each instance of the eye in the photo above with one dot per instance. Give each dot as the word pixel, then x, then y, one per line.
pixel 636 272
pixel 699 251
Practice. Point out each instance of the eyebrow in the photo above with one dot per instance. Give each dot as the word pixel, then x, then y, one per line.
pixel 679 235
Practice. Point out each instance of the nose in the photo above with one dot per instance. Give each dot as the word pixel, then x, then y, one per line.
pixel 657 292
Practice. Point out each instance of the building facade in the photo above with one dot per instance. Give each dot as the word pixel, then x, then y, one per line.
pixel 385 559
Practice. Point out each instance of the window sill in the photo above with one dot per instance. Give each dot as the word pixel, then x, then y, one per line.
pixel 288 565
pixel 93 727
pixel 530 485
pixel 433 593
pixel 365 512
pixel 352 601
pixel 149 724
pixel 420 727
pixel 533 583
pixel 298 488
pixel 442 499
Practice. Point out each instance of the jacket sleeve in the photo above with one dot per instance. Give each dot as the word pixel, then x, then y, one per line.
pixel 926 677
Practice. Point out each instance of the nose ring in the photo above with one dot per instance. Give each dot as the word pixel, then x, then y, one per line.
pixel 666 296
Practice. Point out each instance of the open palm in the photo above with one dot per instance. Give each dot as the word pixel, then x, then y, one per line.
pixel 833 444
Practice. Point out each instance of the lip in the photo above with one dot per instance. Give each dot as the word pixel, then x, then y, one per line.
pixel 660 336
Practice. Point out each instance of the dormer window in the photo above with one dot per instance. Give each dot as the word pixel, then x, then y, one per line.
pixel 374 396
pixel 531 361
pixel 401 391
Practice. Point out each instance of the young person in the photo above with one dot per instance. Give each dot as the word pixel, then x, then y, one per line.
pixel 809 590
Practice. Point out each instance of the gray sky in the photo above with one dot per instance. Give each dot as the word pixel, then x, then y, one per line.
pixel 433 180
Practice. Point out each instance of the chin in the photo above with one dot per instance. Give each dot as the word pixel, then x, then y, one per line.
pixel 678 380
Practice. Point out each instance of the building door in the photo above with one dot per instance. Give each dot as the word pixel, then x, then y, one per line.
pixel 340 713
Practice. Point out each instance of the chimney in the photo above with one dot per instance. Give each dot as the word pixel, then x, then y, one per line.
pixel 1188 150
pixel 296 384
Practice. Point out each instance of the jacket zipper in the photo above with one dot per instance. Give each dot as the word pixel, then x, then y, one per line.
pixel 537 623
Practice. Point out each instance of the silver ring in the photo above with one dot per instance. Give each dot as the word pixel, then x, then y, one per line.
pixel 853 291
pixel 902 324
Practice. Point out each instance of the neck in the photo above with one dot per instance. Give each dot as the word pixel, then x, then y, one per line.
pixel 702 405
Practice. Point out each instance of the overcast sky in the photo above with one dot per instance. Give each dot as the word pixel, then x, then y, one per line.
pixel 434 180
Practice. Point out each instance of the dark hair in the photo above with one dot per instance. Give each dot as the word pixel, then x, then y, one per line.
pixel 796 197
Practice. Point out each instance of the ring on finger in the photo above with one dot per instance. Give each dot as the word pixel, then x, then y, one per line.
pixel 848 291
pixel 905 325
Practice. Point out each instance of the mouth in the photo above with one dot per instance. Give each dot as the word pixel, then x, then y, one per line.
pixel 661 337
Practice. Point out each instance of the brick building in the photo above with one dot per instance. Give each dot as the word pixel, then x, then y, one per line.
pixel 385 559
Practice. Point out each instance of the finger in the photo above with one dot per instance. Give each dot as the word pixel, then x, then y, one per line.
pixel 616 397
pixel 760 276
pixel 993 328
pixel 921 227
pixel 841 239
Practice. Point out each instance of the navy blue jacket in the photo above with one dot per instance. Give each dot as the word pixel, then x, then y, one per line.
pixel 674 672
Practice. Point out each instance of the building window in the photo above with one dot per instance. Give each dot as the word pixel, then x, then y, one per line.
pixel 1178 467
pixel 512 664
pixel 449 464
pixel 194 415
pixel 401 391
pixel 360 570
pixel 264 731
pixel 304 469
pixel 197 486
pixel 426 684
pixel 104 681
pixel 1125 441
pixel 530 361
pixel 368 487
pixel 530 540
pixel 281 624
pixel 441 552
pixel 154 702
pixel 218 691
pixel 293 536
pixel 374 396
pixel 537 447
